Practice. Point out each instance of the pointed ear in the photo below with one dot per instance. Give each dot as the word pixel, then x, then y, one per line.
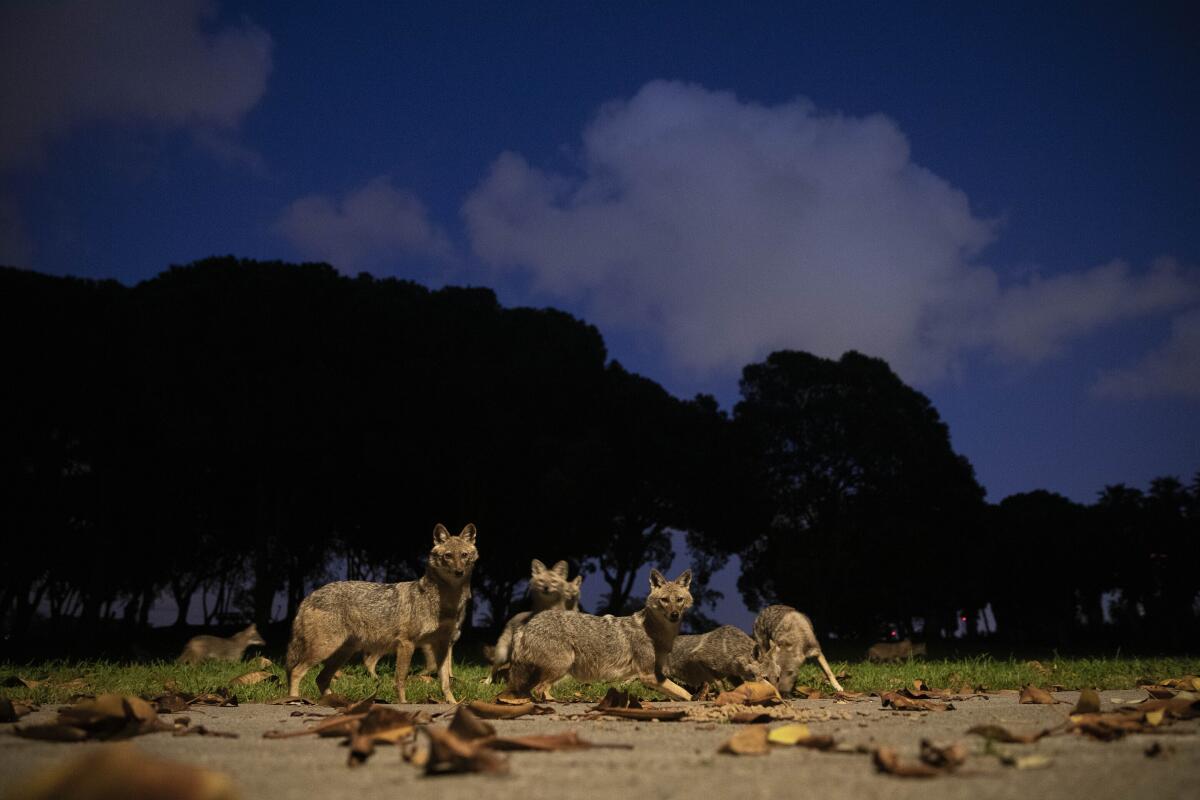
pixel 656 578
pixel 468 533
pixel 578 581
pixel 685 580
pixel 537 566
pixel 440 534
pixel 561 569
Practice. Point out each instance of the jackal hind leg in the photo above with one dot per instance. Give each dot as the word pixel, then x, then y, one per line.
pixel 334 662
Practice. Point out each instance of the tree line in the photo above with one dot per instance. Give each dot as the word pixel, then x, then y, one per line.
pixel 232 431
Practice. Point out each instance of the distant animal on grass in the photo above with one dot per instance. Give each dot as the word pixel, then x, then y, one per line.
pixel 200 648
pixel 895 651
pixel 723 653
pixel 785 639
pixel 571 593
pixel 555 644
pixel 547 590
pixel 343 618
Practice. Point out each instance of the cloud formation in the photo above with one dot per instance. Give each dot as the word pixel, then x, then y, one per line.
pixel 66 64
pixel 367 228
pixel 730 229
pixel 1172 369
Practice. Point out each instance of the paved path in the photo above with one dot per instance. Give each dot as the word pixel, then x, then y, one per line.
pixel 679 759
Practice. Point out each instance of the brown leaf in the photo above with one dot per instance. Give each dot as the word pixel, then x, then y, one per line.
pixel 1160 692
pixel 887 760
pixel 1032 694
pixel 380 725
pixel 808 692
pixel 361 707
pixel 749 741
pixel 1188 683
pixel 52 732
pixel 221 697
pixel 751 693
pixel 616 703
pixel 251 678
pixel 292 700
pixel 947 757
pixel 750 717
pixel 615 698
pixel 899 702
pixel 567 740
pixel 449 754
pixel 1001 734
pixel 333 700
pixel 170 703
pixel 113 716
pixel 485 710
pixel 122 771
pixel 513 699
pixel 1110 726
pixel 200 730
pixel 466 725
pixel 1089 702
pixel 338 725
pixel 13 710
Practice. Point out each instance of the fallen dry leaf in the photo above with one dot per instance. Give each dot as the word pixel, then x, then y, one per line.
pixel 338 725
pixel 887 760
pixel 333 700
pixel 200 730
pixel 798 735
pixel 1030 761
pixel 448 754
pixel 380 725
pixel 251 678
pixel 113 716
pixel 51 732
pixel 486 710
pixel 222 697
pixel 13 710
pixel 122 772
pixel 466 725
pixel 749 741
pixel 751 693
pixel 1032 694
pixel 947 757
pixel 899 702
pixel 616 703
pixel 567 740
pixel 292 700
pixel 514 699
pixel 1089 702
pixel 750 717
pixel 170 703
pixel 1001 734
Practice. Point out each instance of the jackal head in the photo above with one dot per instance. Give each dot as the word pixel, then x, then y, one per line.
pixel 669 599
pixel 571 593
pixel 547 583
pixel 453 557
pixel 250 636
pixel 775 666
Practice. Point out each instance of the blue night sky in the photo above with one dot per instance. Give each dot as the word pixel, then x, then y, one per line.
pixel 1003 203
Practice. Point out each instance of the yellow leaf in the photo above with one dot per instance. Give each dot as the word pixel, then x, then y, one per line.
pixel 789 734
pixel 1155 717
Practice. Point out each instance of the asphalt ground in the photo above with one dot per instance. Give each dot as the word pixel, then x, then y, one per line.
pixel 677 759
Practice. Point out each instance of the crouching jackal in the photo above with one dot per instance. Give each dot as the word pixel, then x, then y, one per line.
pixel 785 638
pixel 725 652
pixel 548 589
pixel 554 644
pixel 895 651
pixel 347 617
pixel 199 648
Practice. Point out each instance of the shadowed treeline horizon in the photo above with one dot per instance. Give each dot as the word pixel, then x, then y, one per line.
pixel 226 432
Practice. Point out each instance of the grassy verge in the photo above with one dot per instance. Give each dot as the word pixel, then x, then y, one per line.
pixel 61 680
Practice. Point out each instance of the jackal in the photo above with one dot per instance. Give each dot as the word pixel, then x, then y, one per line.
pixel 554 644
pixel 547 590
pixel 571 593
pixel 347 617
pixel 895 651
pixel 199 648
pixel 784 639
pixel 726 652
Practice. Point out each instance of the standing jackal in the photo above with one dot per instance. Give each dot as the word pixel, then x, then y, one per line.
pixel 785 639
pixel 895 651
pixel 201 647
pixel 554 644
pixel 347 617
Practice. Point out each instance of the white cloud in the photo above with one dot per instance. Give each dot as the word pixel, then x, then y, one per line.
pixel 1172 369
pixel 69 63
pixel 371 225
pixel 730 229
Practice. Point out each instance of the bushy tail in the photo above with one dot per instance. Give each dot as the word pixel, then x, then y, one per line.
pixel 296 645
pixel 502 652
